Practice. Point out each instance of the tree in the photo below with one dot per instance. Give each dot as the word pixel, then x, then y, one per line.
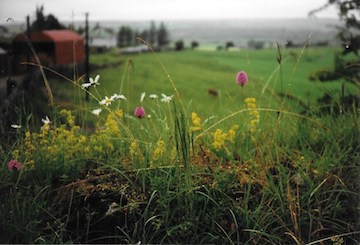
pixel 152 34
pixel 179 45
pixel 162 35
pixel 345 67
pixel 39 23
pixel 52 23
pixel 349 12
pixel 125 37
pixel 156 38
pixel 229 44
pixel 43 22
pixel 194 44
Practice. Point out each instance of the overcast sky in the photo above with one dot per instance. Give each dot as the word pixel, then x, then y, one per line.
pixel 67 10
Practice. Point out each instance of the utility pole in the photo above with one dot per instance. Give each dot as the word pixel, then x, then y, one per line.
pixel 87 54
pixel 28 38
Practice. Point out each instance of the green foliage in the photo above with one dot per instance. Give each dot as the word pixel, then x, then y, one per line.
pixel 346 65
pixel 162 36
pixel 125 37
pixel 179 45
pixel 43 22
pixel 156 37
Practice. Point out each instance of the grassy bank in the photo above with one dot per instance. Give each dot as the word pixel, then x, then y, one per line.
pixel 234 165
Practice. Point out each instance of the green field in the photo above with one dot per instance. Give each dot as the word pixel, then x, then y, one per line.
pixel 259 164
pixel 195 72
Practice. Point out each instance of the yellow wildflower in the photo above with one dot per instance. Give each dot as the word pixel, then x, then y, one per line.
pixel 29 146
pixel 100 142
pixel 111 125
pixel 119 113
pixel 133 148
pixel 70 119
pixel 232 133
pixel 160 150
pixel 250 100
pixel 254 114
pixel 15 154
pixel 219 139
pixel 196 121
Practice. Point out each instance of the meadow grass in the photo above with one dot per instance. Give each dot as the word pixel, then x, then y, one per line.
pixel 243 166
pixel 195 72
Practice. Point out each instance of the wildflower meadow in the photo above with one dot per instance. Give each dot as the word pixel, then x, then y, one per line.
pixel 174 148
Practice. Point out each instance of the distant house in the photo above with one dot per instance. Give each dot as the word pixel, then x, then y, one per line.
pixel 101 44
pixel 101 39
pixel 52 47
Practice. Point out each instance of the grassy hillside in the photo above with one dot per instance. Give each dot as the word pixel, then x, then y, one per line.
pixel 243 167
pixel 195 72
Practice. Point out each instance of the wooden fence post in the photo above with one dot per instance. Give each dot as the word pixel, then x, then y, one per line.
pixel 87 54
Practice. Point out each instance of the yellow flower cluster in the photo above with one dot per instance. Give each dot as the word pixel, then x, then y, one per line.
pixel 159 150
pixel 254 113
pixel 112 123
pixel 100 143
pixel 29 149
pixel 70 118
pixel 15 154
pixel 102 140
pixel 63 143
pixel 133 148
pixel 221 137
pixel 232 133
pixel 24 153
pixel 196 123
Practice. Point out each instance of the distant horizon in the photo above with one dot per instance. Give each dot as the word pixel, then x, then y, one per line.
pixel 164 10
pixel 238 30
pixel 180 20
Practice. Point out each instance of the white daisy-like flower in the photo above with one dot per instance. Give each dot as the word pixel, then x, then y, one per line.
pixel 92 82
pixel 96 111
pixel 95 81
pixel 46 120
pixel 106 101
pixel 85 85
pixel 117 97
pixel 16 126
pixel 165 98
pixel 142 97
pixel 153 96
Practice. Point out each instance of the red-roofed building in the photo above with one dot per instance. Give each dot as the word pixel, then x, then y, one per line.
pixel 53 47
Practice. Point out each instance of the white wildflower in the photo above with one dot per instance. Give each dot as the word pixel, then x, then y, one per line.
pixel 46 120
pixel 85 85
pixel 106 101
pixel 95 81
pixel 92 82
pixel 153 96
pixel 96 111
pixel 15 126
pixel 142 97
pixel 165 98
pixel 117 96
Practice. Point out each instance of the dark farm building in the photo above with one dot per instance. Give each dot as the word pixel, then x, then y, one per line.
pixel 52 47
